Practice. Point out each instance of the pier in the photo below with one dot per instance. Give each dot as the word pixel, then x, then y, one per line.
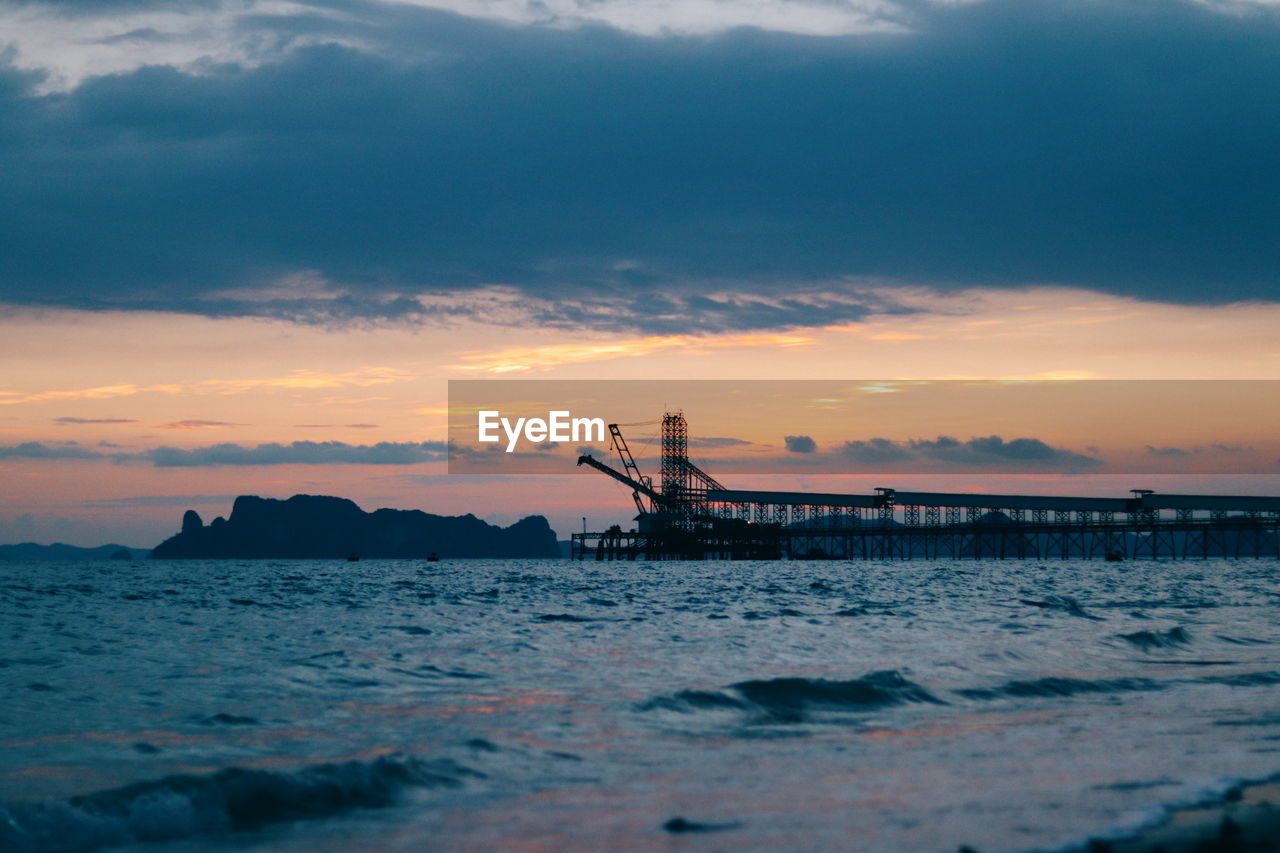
pixel 692 516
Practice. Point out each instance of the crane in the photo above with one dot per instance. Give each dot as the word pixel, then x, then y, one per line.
pixel 682 499
pixel 638 487
pixel 630 468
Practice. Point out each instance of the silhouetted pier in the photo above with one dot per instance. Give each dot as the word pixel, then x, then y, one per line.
pixel 693 516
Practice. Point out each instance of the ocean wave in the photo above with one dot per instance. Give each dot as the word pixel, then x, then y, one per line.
pixel 695 700
pixel 1060 687
pixel 224 719
pixel 1063 603
pixel 1174 638
pixel 1192 796
pixel 1244 679
pixel 231 800
pixel 789 699
pixel 1242 641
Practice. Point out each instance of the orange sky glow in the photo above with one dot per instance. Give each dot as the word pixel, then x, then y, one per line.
pixel 124 383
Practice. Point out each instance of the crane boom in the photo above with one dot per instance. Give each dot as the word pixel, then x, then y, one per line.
pixel 637 487
pixel 629 466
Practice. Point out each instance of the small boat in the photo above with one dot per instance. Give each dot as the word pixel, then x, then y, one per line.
pixel 1115 557
pixel 433 557
pixel 353 557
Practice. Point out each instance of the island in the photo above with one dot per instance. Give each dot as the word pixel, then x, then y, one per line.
pixel 63 553
pixel 323 527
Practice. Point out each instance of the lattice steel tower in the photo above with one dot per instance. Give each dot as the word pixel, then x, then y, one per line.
pixel 684 483
pixel 675 456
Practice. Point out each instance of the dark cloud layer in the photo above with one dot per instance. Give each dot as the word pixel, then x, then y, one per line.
pixel 41 450
pixel 217 455
pixel 68 420
pixel 981 452
pixel 197 424
pixel 1197 450
pixel 618 181
pixel 299 453
pixel 800 444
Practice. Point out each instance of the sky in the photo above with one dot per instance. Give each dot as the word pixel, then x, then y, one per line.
pixel 1066 428
pixel 244 245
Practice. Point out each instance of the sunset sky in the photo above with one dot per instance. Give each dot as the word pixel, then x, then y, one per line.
pixel 227 228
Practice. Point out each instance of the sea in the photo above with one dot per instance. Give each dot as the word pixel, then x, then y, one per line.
pixel 552 705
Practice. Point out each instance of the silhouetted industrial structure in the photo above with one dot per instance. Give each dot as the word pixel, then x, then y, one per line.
pixel 692 516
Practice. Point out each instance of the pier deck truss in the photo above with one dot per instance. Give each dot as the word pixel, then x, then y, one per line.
pixel 904 525
pixel 894 525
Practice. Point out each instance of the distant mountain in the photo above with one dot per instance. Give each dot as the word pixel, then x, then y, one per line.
pixel 315 526
pixel 58 551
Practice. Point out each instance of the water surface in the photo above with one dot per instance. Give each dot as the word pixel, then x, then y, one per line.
pixel 550 705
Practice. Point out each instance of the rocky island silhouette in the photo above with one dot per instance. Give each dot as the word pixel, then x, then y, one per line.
pixel 318 527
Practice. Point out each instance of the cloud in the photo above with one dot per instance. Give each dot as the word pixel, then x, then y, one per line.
pixel 875 451
pixel 521 359
pixel 380 162
pixel 298 453
pixel 115 36
pixel 678 308
pixel 800 444
pixel 711 442
pixel 71 420
pixel 296 380
pixel 101 392
pixel 1169 451
pixel 197 424
pixel 1197 450
pixel 983 452
pixel 362 377
pixel 40 450
pixel 228 454
pixel 994 447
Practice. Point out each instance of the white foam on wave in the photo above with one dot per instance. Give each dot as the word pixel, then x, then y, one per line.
pixel 1137 821
pixel 233 799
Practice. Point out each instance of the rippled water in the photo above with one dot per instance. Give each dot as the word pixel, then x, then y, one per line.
pixel 548 705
